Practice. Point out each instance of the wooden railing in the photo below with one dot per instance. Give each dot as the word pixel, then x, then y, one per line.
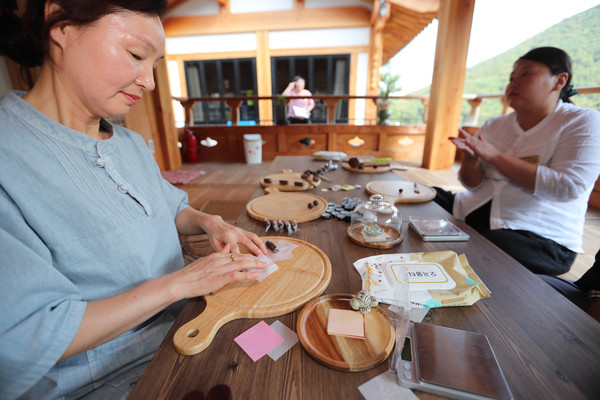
pixel 234 103
pixel 475 101
pixel 331 101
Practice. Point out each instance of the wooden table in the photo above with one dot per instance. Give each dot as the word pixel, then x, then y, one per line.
pixel 546 346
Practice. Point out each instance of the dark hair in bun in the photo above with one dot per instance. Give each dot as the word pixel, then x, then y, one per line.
pixel 26 40
pixel 558 61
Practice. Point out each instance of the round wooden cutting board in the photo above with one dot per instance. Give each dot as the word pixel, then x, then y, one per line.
pixel 288 181
pixel 289 206
pixel 298 280
pixel 390 190
pixel 339 352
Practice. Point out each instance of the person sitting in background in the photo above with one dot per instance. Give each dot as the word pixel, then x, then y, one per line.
pixel 584 292
pixel 299 109
pixel 529 174
pixel 92 272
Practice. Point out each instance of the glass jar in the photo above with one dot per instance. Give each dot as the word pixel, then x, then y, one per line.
pixel 376 224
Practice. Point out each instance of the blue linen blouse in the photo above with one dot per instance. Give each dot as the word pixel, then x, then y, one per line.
pixel 80 220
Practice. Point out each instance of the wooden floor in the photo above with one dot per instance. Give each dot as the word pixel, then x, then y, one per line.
pixel 228 184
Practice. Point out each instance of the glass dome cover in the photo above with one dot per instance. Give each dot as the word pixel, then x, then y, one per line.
pixel 376 223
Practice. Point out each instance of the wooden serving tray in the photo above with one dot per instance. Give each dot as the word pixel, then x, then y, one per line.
pixel 339 352
pixel 276 205
pixel 390 190
pixel 368 169
pixel 293 181
pixel 298 280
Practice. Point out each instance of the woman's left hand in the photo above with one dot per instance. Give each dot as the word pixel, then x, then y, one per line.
pixel 482 148
pixel 193 222
pixel 220 234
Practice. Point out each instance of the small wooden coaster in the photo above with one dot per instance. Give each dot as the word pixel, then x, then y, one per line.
pixel 343 353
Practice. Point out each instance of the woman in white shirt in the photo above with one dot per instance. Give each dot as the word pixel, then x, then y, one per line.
pixel 529 174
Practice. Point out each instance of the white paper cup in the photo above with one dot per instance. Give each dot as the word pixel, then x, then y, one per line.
pixel 253 148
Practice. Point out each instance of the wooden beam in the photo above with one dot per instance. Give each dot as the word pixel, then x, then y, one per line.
pixel 300 18
pixel 449 71
pixel 422 6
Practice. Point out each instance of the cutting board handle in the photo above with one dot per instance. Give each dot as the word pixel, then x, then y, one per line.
pixel 197 334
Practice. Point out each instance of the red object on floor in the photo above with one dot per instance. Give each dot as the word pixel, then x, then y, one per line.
pixel 191 147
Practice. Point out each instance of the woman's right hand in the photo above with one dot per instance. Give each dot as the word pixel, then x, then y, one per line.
pixel 461 143
pixel 210 273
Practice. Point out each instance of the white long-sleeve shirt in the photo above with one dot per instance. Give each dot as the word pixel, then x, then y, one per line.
pixel 565 145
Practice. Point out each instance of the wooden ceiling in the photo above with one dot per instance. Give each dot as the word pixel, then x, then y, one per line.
pixel 407 19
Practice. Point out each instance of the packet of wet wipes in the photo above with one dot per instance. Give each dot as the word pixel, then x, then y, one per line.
pixel 436 279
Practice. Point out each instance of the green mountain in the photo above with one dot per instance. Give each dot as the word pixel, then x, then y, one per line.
pixel 578 36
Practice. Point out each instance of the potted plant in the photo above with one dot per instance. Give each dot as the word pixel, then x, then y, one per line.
pixel 388 84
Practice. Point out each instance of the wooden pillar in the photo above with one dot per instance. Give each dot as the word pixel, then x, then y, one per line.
pixel 263 75
pixel 379 18
pixel 454 30
pixel 164 118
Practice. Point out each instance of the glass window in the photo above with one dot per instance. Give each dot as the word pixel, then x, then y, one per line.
pixel 329 74
pixel 222 78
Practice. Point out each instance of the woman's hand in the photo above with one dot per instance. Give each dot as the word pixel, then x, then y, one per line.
pixel 193 222
pixel 209 274
pixel 104 319
pixel 471 171
pixel 480 148
pixel 288 89
pixel 221 234
pixel 461 143
pixel 475 149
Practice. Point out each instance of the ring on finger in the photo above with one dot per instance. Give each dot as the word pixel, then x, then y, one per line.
pixel 232 257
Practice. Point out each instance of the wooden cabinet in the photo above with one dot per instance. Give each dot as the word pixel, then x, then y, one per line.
pixel 398 142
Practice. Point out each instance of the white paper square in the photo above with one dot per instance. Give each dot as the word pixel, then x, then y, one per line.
pixel 385 386
pixel 290 338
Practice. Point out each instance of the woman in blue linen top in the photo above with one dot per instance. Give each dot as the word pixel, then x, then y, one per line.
pixel 91 259
pixel 529 174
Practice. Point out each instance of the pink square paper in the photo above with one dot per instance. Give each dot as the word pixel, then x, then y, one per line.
pixel 259 340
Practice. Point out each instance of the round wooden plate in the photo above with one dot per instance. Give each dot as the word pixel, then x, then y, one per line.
pixel 390 190
pixel 355 234
pixel 298 280
pixel 288 181
pixel 339 352
pixel 286 206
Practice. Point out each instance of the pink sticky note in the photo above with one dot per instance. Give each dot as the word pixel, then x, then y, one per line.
pixel 259 340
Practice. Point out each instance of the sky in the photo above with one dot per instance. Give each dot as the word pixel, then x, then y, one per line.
pixel 498 25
